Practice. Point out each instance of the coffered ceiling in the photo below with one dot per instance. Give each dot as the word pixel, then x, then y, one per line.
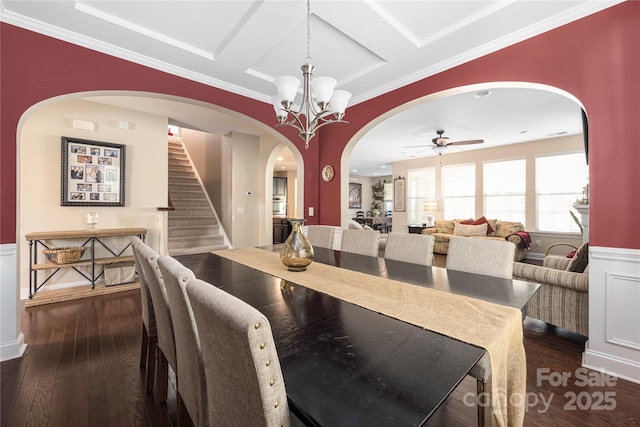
pixel 370 47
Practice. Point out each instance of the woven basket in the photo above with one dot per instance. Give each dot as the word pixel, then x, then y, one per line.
pixel 64 255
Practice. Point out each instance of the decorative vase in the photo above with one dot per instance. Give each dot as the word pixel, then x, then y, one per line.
pixel 297 252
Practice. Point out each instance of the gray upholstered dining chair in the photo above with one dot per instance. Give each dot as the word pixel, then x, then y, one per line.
pixel 481 256
pixel 363 242
pixel 166 341
pixel 149 331
pixel 191 390
pixel 413 248
pixel 490 258
pixel 321 236
pixel 243 376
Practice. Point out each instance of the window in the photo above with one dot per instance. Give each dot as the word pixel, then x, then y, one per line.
pixel 421 185
pixel 458 191
pixel 559 183
pixel 504 188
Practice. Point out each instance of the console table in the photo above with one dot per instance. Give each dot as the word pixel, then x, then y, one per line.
pixel 92 237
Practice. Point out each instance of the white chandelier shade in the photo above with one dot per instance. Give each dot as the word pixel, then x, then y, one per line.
pixel 323 89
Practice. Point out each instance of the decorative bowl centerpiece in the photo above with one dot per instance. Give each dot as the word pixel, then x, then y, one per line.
pixel 65 255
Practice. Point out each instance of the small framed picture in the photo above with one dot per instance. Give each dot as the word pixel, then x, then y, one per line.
pixel 85 163
pixel 355 196
pixel 399 194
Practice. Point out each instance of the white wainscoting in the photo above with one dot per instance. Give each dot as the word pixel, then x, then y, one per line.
pixel 11 339
pixel 614 312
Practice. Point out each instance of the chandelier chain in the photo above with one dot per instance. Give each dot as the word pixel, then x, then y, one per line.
pixel 308 59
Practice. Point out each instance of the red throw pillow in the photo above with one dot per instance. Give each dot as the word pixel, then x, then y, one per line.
pixel 483 220
pixel 467 222
pixel 571 254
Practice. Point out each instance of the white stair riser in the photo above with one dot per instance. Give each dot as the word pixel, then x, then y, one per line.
pixel 188 242
pixel 192 221
pixel 194 231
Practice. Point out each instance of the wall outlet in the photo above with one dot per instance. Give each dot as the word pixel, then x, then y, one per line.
pixel 538 243
pixel 311 211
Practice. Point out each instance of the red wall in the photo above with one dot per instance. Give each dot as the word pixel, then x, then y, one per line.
pixel 596 59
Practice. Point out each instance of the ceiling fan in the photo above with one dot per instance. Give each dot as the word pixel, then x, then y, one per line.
pixel 442 143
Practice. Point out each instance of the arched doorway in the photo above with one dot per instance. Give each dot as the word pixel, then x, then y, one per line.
pixel 401 137
pixel 146 116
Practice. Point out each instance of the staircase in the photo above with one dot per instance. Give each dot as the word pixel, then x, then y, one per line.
pixel 193 225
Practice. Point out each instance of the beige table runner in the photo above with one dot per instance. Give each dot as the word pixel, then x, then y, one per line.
pixel 494 327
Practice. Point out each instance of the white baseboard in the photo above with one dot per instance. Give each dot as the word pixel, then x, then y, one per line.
pixel 536 256
pixel 622 368
pixel 13 349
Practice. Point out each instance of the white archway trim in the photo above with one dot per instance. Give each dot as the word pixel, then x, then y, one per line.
pixel 346 154
pixel 268 186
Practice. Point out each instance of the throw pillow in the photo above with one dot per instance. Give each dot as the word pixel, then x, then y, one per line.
pixel 506 228
pixel 467 221
pixel 483 220
pixel 493 223
pixel 581 259
pixel 470 230
pixel 444 226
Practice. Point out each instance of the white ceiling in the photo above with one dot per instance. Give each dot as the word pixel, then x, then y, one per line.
pixel 370 47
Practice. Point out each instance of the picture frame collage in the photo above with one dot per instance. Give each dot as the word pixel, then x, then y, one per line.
pixel 93 173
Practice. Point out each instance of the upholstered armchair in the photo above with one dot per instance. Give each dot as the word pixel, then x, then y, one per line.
pixel 563 297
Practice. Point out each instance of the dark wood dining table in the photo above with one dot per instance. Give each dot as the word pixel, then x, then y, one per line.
pixel 344 365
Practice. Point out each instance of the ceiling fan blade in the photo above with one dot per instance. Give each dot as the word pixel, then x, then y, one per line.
pixel 471 141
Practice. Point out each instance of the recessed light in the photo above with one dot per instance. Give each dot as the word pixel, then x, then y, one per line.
pixel 283 167
pixel 482 94
pixel 279 159
pixel 383 166
pixel 355 170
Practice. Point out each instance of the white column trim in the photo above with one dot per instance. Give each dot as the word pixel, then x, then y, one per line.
pixel 614 304
pixel 12 343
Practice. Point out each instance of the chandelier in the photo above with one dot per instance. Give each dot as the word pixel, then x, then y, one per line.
pixel 319 100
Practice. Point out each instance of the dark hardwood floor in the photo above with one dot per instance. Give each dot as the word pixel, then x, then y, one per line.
pixel 81 368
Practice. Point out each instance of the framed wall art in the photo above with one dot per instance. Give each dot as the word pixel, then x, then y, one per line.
pixel 399 194
pixel 93 173
pixel 355 196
